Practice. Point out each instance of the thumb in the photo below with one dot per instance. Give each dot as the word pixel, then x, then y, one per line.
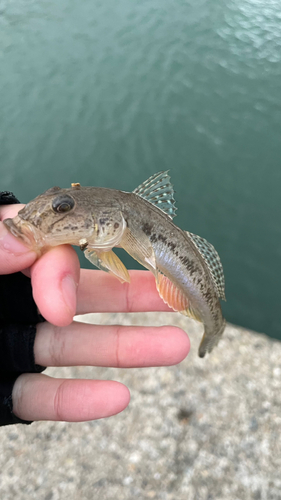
pixel 14 255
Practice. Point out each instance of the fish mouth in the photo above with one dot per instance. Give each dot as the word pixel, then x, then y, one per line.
pixel 25 232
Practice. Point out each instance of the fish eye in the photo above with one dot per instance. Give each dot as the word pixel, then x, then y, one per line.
pixel 63 203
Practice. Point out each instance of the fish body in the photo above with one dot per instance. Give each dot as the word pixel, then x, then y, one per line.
pixel 187 269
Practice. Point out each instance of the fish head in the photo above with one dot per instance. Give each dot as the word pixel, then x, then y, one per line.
pixel 68 216
pixel 52 218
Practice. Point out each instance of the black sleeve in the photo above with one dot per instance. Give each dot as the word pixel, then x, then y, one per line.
pixel 18 320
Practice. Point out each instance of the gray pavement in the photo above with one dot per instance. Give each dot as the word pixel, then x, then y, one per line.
pixel 206 429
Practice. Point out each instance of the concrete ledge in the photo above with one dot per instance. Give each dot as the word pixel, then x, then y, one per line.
pixel 206 429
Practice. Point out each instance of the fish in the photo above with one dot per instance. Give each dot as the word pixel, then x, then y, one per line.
pixel 187 269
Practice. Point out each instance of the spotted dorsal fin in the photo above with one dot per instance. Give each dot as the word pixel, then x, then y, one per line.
pixel 159 191
pixel 211 257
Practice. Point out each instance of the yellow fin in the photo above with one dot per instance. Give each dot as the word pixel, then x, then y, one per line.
pixel 140 248
pixel 109 262
pixel 171 294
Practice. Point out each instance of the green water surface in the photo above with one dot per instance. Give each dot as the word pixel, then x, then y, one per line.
pixel 107 93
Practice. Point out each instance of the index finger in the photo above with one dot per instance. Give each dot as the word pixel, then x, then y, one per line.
pixel 100 292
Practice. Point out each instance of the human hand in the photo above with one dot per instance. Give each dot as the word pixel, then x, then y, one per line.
pixel 60 293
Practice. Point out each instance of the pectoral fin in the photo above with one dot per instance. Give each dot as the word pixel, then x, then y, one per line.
pixel 108 262
pixel 140 248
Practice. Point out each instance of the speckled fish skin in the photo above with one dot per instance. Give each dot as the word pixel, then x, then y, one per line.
pixel 179 260
pixel 98 219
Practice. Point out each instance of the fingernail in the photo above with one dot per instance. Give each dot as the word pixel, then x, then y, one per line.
pixel 11 244
pixel 69 288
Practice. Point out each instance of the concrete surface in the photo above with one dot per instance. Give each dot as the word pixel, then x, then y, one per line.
pixel 206 429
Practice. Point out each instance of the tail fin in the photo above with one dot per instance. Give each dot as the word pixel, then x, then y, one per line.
pixel 210 340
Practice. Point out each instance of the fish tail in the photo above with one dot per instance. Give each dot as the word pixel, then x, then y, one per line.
pixel 210 339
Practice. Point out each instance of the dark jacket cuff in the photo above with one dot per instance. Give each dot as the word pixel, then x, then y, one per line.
pixel 18 319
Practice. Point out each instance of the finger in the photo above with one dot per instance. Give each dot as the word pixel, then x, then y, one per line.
pixel 14 255
pixel 54 279
pixel 39 397
pixel 54 276
pixel 100 292
pixel 9 211
pixel 117 346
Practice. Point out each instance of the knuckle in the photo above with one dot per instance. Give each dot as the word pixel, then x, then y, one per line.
pixel 59 400
pixel 128 301
pixel 18 394
pixel 117 348
pixel 57 346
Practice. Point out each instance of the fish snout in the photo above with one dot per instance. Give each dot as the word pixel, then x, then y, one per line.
pixel 23 231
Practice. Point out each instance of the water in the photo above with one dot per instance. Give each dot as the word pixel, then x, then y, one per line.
pixel 108 93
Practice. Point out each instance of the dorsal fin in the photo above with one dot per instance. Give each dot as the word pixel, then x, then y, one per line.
pixel 211 257
pixel 159 191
